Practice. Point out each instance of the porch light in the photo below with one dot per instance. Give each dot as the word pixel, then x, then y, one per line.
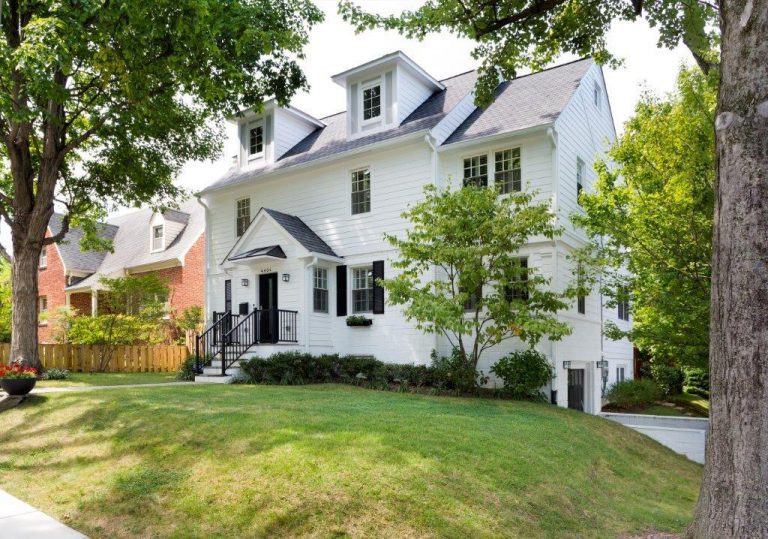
pixel 286 277
pixel 244 282
pixel 566 364
pixel 602 364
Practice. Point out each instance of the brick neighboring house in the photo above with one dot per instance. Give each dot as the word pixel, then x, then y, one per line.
pixel 171 244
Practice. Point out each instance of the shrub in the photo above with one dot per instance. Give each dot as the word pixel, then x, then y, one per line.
pixel 697 379
pixel 186 370
pixel 668 378
pixel 524 373
pixel 698 391
pixel 56 374
pixel 633 393
pixel 453 372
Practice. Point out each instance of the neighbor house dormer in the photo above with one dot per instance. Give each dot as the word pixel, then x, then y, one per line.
pixel 383 92
pixel 267 135
pixel 164 228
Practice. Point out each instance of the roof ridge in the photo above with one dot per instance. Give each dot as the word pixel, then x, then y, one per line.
pixel 550 68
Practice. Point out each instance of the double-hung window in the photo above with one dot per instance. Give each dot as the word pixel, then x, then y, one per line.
pixel 619 374
pixel 371 100
pixel 470 304
pixel 255 140
pixel 476 171
pixel 361 191
pixel 320 290
pixel 508 176
pixel 518 288
pixel 157 238
pixel 243 215
pixel 42 308
pixel 598 95
pixel 44 258
pixel 362 289
pixel 579 177
pixel 623 303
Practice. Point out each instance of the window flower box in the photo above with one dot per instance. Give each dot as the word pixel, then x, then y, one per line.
pixel 359 321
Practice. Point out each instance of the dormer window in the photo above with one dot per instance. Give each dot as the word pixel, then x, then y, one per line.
pixel 157 238
pixel 371 94
pixel 255 140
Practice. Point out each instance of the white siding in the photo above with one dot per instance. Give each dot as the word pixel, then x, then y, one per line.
pixel 289 131
pixel 411 93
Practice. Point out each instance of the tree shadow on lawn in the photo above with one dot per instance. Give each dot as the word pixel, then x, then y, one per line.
pixel 285 461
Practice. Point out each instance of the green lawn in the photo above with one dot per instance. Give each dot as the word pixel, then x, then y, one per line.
pixel 83 379
pixel 332 461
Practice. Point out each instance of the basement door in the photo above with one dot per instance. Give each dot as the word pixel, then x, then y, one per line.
pixel 576 389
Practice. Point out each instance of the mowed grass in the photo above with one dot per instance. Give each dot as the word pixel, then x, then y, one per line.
pixel 335 461
pixel 84 379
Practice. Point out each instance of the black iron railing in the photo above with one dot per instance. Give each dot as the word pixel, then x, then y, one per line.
pixel 231 336
pixel 207 344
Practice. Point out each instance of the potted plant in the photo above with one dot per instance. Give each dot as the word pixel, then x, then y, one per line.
pixel 16 379
pixel 358 320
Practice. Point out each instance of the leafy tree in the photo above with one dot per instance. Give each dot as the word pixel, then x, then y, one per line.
pixel 133 309
pixel 514 33
pixel 102 102
pixel 651 214
pixel 482 294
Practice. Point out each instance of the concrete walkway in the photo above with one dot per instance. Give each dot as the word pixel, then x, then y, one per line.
pixel 69 389
pixel 19 520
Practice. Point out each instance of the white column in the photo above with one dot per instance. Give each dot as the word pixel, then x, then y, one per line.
pixel 94 302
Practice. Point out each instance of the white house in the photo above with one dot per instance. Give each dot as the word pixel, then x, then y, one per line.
pixel 297 223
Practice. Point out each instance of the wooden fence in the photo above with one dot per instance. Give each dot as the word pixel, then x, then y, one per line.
pixel 86 357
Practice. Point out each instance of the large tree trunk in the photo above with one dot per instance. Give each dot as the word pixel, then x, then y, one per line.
pixel 25 318
pixel 734 491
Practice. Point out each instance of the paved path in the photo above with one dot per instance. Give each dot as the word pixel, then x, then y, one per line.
pixel 19 520
pixel 44 390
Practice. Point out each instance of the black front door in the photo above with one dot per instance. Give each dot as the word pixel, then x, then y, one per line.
pixel 576 389
pixel 268 307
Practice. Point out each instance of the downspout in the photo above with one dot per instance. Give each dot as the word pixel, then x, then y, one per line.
pixel 431 142
pixel 208 258
pixel 552 134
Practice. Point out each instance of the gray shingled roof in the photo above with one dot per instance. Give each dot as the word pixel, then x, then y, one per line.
pixel 274 251
pixel 131 245
pixel 332 139
pixel 69 248
pixel 176 216
pixel 303 234
pixel 526 101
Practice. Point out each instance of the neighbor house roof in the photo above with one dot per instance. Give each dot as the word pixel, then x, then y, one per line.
pixel 69 248
pixel 301 232
pixel 131 243
pixel 526 101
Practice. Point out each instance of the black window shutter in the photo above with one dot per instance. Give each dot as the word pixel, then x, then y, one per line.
pixel 341 290
pixel 227 295
pixel 378 290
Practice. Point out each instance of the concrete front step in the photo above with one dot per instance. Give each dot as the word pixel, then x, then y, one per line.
pixel 216 371
pixel 217 363
pixel 213 379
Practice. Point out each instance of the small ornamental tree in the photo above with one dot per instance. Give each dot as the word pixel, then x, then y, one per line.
pixel 462 276
pixel 133 310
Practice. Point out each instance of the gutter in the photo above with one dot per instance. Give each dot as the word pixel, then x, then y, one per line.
pixel 491 138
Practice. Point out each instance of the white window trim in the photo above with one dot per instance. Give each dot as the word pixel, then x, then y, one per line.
pixel 152 247
pixel 597 95
pixel 378 81
pixel 491 154
pixel 44 257
pixel 41 311
pixel 237 216
pixel 327 289
pixel 247 142
pixel 350 172
pixel 352 288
